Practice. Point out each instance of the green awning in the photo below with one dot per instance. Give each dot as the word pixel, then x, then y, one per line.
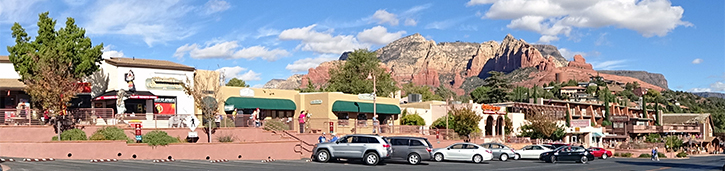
pixel 261 103
pixel 597 134
pixel 364 107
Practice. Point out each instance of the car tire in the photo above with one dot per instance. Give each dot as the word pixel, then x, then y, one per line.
pixel 438 157
pixel 584 160
pixel 477 158
pixel 604 156
pixel 322 156
pixel 517 156
pixel 413 158
pixel 553 159
pixel 371 158
pixel 504 157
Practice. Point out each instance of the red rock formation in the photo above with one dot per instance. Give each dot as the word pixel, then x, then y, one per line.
pixel 580 62
pixel 428 76
pixel 320 74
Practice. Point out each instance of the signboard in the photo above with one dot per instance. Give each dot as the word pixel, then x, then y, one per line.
pixel 583 123
pixel 315 102
pixel 165 108
pixel 228 107
pixel 365 97
pixel 246 92
pixel 164 83
pixel 619 118
pixel 192 122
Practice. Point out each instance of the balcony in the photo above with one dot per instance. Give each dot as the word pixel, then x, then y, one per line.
pixel 681 128
pixel 663 129
pixel 643 129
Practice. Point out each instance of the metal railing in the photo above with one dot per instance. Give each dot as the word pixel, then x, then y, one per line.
pixel 20 117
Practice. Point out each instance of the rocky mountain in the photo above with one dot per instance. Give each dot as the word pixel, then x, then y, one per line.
pixel 425 62
pixel 652 78
pixel 710 94
pixel 293 82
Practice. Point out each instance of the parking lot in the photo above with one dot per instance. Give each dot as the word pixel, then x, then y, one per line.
pixel 694 163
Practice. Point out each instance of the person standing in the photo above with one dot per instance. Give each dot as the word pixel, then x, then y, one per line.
pixel 376 124
pixel 217 119
pixel 654 155
pixel 334 137
pixel 322 138
pixel 254 117
pixel 302 118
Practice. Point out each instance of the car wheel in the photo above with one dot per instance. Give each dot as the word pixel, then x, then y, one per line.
pixel 413 158
pixel 553 159
pixel 438 157
pixel 584 160
pixel 504 157
pixel 604 156
pixel 517 156
pixel 322 156
pixel 477 158
pixel 371 158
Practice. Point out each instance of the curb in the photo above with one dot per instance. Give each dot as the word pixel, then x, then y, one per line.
pixel 12 160
pixel 163 160
pixel 218 161
pixel 103 160
pixel 268 160
pixel 35 160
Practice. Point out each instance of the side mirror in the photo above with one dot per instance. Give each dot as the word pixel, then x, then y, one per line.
pixel 337 142
pixel 449 148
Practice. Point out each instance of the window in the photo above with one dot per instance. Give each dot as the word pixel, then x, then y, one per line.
pixel 372 140
pixel 529 148
pixel 402 142
pixel 493 146
pixel 416 143
pixel 457 146
pixel 346 139
pixel 470 146
pixel 536 148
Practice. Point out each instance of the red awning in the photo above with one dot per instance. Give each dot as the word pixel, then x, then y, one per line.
pixel 111 95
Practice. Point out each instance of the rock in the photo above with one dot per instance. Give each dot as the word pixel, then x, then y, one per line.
pixel 580 62
pixel 652 78
pixel 291 83
pixel 549 52
pixel 320 74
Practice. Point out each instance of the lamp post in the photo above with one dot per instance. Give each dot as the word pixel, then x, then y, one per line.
pixel 375 94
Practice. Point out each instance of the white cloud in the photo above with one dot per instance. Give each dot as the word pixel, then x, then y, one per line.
pixel 383 16
pixel 697 61
pixel 714 87
pixel 264 32
pixel 321 42
pixel 238 72
pixel 410 22
pixel 229 50
pixel 568 54
pixel 303 65
pixel 108 53
pixel 20 11
pixel 551 18
pixel 214 6
pixel 379 35
pixel 602 40
pixel 154 21
pixel 608 65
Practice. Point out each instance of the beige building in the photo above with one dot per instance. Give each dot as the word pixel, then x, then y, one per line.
pixel 330 111
pixel 429 110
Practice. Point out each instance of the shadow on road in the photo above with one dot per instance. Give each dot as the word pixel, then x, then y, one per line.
pixel 671 165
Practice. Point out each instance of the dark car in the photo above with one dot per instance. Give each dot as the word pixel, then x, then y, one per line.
pixel 411 149
pixel 556 145
pixel 567 153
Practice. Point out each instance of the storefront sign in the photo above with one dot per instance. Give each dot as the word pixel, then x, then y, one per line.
pixel 315 102
pixel 164 83
pixel 365 97
pixel 165 108
pixel 583 123
pixel 619 118
pixel 246 92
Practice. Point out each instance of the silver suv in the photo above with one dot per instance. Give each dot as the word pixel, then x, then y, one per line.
pixel 371 148
pixel 412 149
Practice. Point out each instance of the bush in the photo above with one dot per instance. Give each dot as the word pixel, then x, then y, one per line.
pixel 73 134
pixel 652 138
pixel 617 154
pixel 412 119
pixel 626 154
pixel 644 155
pixel 157 137
pixel 440 123
pixel 275 125
pixel 225 138
pixel 673 142
pixel 110 133
pixel 661 155
pixel 682 154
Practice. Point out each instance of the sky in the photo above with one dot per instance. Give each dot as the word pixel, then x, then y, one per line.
pixel 262 40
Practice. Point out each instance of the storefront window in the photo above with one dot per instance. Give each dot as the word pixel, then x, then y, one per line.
pixel 135 106
pixel 165 105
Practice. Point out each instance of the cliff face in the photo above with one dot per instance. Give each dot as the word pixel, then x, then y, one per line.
pixel 291 83
pixel 652 78
pixel 550 51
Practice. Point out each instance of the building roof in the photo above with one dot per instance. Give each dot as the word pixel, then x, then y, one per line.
pixel 13 84
pixel 684 118
pixel 421 105
pixel 147 63
pixel 573 88
pixel 4 59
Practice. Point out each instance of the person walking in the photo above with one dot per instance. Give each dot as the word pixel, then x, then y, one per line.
pixel 302 118
pixel 322 138
pixel 217 119
pixel 254 117
pixel 376 124
pixel 654 155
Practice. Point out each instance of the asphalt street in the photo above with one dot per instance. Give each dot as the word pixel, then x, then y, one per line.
pixel 612 164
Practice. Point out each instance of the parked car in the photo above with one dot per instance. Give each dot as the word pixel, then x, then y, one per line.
pixel 500 151
pixel 567 153
pixel 532 151
pixel 411 149
pixel 371 148
pixel 463 152
pixel 600 152
pixel 557 145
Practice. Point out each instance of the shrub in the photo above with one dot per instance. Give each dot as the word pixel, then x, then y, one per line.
pixel 275 125
pixel 682 154
pixel 73 134
pixel 652 138
pixel 661 155
pixel 617 154
pixel 412 119
pixel 440 123
pixel 673 142
pixel 225 138
pixel 157 137
pixel 110 133
pixel 644 155
pixel 626 154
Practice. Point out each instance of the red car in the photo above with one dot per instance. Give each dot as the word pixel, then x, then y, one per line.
pixel 600 152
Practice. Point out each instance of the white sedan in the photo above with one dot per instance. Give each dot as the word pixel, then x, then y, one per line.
pixel 532 151
pixel 463 152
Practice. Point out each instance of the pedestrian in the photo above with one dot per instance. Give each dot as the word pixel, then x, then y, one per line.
pixel 376 124
pixel 217 120
pixel 234 115
pixel 438 136
pixel 302 121
pixel 254 117
pixel 322 138
pixel 654 155
pixel 334 137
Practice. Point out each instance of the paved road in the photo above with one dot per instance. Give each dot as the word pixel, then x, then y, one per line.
pixel 694 163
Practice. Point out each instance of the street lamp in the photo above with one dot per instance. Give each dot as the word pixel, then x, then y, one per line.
pixel 375 94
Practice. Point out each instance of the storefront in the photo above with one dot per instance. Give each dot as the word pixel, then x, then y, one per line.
pixel 581 132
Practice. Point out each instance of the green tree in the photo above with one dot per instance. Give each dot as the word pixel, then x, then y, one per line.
pixel 234 82
pixel 352 76
pixel 520 94
pixel 51 64
pixel 568 118
pixel 570 83
pixel 496 88
pixel 446 93
pixel 480 94
pixel 440 123
pixel 423 90
pixel 412 119
pixel 310 87
pixel 466 121
pixel 673 142
pixel 591 89
pixel 652 138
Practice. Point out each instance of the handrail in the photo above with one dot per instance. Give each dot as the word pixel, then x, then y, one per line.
pixel 297 138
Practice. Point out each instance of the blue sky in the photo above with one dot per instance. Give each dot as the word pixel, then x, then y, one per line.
pixel 261 40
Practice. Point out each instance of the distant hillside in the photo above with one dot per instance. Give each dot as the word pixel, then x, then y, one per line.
pixel 652 78
pixel 710 94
